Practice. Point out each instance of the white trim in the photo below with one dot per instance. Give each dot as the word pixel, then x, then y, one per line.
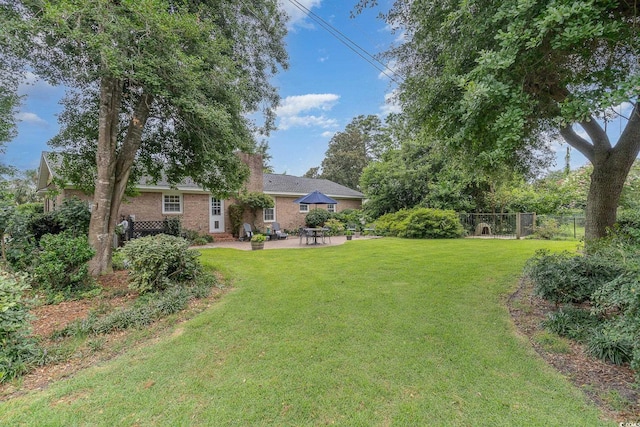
pixel 180 201
pixel 300 208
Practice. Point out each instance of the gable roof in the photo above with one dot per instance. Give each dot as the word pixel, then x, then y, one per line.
pixel 298 186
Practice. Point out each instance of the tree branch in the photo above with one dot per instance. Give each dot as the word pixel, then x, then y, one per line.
pixel 597 134
pixel 577 142
pixel 629 141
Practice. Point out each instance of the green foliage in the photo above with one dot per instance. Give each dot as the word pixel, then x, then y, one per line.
pixel 253 201
pixel 25 225
pixel 172 226
pixel 565 277
pixel 317 217
pixel 195 238
pixel 610 346
pixel 258 238
pixel 235 216
pixel 628 224
pixel 421 223
pixel 335 226
pixel 118 260
pixel 157 261
pixel 146 309
pixel 499 77
pixel 60 265
pixel 548 229
pixel 349 216
pixel 619 301
pixel 17 347
pixel 350 151
pixel 418 173
pixel 572 322
pixel 74 215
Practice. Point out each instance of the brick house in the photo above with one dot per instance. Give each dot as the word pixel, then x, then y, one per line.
pixel 202 212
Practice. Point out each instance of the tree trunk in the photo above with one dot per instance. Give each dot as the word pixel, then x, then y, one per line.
pixel 611 166
pixel 100 233
pixel 607 182
pixel 113 167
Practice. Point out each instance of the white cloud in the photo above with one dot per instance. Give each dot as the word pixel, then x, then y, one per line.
pixel 293 105
pixel 292 108
pixel 307 121
pixel 31 118
pixel 33 86
pixel 328 134
pixel 391 104
pixel 297 16
pixel 390 70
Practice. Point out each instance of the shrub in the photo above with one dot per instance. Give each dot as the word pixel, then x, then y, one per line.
pixel 74 216
pixel 118 260
pixel 390 224
pixel 421 223
pixel 317 217
pixel 199 241
pixel 157 261
pixel 564 277
pixel 335 226
pixel 547 230
pixel 610 346
pixel 17 347
pixel 572 322
pixel 61 263
pixel 619 301
pixel 172 226
pixel 235 216
pixel 628 224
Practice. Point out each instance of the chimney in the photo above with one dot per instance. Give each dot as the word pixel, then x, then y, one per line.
pixel 256 180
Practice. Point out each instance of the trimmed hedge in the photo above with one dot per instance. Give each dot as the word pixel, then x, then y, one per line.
pixel 421 223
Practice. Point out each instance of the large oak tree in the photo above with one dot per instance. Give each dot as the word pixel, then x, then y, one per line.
pixel 498 79
pixel 161 87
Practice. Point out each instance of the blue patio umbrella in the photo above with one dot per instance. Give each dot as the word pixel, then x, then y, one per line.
pixel 315 198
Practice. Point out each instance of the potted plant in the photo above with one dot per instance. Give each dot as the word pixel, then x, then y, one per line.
pixel 257 241
pixel 349 234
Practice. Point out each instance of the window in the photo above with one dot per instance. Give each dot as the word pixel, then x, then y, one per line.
pixel 171 203
pixel 331 207
pixel 304 208
pixel 216 207
pixel 269 214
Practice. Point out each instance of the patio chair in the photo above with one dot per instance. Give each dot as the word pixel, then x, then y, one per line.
pixel 302 232
pixel 278 231
pixel 248 233
pixel 326 234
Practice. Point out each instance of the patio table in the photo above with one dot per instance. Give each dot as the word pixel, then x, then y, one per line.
pixel 315 233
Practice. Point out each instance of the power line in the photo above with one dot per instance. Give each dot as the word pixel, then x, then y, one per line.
pixel 357 49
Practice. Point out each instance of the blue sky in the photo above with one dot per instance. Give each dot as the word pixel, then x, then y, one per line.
pixel 325 87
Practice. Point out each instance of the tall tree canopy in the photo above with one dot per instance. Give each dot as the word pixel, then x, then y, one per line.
pixel 413 169
pixel 498 79
pixel 162 84
pixel 9 100
pixel 350 151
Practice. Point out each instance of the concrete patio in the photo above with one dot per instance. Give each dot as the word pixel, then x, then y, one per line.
pixel 292 242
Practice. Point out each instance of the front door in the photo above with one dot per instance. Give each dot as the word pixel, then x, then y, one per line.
pixel 216 215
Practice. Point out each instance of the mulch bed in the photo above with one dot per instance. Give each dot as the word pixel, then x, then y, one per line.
pixel 611 387
pixel 51 318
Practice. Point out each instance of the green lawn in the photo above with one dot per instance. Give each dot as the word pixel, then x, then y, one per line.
pixel 371 333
